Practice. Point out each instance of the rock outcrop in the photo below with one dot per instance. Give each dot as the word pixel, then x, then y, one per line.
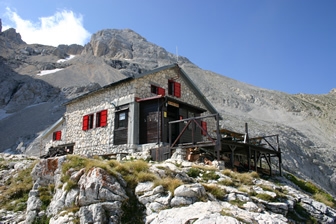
pixel 74 190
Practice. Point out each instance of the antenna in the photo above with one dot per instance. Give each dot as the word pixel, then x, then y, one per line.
pixel 176 55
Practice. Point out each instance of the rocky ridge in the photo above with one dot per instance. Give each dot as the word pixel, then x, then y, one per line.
pixel 76 189
pixel 305 123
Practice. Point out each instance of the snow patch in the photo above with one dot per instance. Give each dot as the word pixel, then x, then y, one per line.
pixel 46 72
pixel 66 59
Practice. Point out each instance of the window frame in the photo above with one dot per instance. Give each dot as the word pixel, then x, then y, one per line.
pixel 101 118
pixel 87 123
pixel 158 90
pixel 174 88
pixel 121 125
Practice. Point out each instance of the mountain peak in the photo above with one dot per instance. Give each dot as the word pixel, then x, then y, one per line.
pixel 12 35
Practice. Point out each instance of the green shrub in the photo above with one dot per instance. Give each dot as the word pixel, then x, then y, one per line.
pixel 210 175
pixel 193 172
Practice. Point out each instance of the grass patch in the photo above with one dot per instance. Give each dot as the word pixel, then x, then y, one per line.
pixel 216 191
pixel 205 168
pixel 15 195
pixel 168 183
pixel 194 172
pixel 300 215
pixel 227 182
pixel 210 175
pixel 245 178
pixel 237 203
pixel 207 173
pixel 265 197
pixel 241 178
pixel 42 220
pixel 134 172
pixel 243 188
pixel 325 198
pixel 318 194
pixel 46 194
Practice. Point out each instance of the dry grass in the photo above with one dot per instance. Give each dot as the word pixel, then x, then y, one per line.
pixel 227 182
pixel 205 168
pixel 216 191
pixel 168 183
pixel 325 199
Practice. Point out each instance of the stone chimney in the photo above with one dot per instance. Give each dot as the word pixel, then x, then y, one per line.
pixel 0 26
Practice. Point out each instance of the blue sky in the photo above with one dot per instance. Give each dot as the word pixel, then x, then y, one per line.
pixel 285 45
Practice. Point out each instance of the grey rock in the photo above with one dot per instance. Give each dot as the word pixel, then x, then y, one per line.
pixel 98 186
pixel 191 191
pixel 144 187
pixel 178 201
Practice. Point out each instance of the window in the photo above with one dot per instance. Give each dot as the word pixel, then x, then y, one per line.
pixel 121 119
pixel 157 90
pixel 57 135
pixel 174 88
pixel 101 118
pixel 87 122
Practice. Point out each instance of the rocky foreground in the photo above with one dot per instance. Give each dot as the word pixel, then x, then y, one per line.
pixel 73 189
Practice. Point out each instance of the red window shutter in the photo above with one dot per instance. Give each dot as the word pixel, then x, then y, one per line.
pixel 103 118
pixel 204 128
pixel 85 122
pixel 177 89
pixel 161 91
pixel 58 135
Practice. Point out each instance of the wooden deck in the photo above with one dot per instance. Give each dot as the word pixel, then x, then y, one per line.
pixel 238 150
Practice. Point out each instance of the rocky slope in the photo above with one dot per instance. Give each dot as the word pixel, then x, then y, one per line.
pixel 31 98
pixel 73 189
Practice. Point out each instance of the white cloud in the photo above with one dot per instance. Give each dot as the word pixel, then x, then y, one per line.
pixel 64 27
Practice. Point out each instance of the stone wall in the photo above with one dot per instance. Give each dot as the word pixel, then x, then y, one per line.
pixel 99 141
pixel 160 79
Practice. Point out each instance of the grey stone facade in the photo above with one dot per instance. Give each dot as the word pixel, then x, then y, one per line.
pixel 113 98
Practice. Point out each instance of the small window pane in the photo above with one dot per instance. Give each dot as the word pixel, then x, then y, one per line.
pixel 122 116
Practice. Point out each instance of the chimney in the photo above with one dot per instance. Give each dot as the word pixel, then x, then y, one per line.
pixel 0 26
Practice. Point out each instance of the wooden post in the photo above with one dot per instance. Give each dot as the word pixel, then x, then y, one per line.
pixel 270 164
pixel 279 155
pixel 232 158
pixel 249 148
pixel 255 160
pixel 170 134
pixel 218 142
